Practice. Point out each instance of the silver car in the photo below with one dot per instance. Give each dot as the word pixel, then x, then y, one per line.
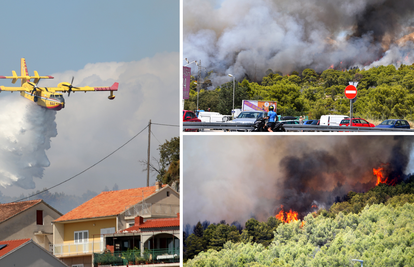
pixel 249 117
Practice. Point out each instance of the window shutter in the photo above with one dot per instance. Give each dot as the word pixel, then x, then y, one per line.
pixel 39 217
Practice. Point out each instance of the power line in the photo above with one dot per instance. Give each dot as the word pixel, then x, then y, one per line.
pixel 155 137
pixel 90 167
pixel 163 124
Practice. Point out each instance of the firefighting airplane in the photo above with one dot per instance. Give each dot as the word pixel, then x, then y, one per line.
pixel 48 97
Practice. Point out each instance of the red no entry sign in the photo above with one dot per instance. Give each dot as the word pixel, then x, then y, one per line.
pixel 350 92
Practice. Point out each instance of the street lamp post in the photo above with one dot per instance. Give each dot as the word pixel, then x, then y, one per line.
pixel 199 75
pixel 232 111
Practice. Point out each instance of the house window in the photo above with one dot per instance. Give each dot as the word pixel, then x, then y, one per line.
pixel 168 193
pixel 39 217
pixel 81 236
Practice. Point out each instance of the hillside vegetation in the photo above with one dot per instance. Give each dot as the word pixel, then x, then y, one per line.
pixel 384 92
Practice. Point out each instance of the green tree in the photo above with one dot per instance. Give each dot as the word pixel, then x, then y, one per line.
pixel 226 97
pixel 169 163
pixel 193 246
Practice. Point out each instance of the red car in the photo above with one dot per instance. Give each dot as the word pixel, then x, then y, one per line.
pixel 189 116
pixel 357 122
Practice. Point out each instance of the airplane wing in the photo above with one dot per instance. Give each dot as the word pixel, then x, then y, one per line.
pixel 13 89
pixel 64 87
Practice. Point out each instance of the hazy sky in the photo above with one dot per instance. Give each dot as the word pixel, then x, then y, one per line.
pixel 133 42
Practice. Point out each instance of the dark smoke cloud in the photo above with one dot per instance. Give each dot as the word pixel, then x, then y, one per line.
pixel 237 177
pixel 246 38
pixel 319 176
pixel 381 18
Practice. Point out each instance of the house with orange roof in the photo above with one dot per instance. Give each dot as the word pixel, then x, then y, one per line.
pixel 80 233
pixel 157 239
pixel 28 219
pixel 26 252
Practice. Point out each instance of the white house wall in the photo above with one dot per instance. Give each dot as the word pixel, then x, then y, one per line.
pixel 24 225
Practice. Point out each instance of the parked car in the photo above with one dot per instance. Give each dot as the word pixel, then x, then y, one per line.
pixel 315 122
pixel 286 118
pixel 394 123
pixel 357 122
pixel 290 122
pixel 249 117
pixel 207 116
pixel 309 122
pixel 332 120
pixel 189 116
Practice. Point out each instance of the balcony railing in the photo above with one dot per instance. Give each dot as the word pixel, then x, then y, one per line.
pixel 151 210
pixel 135 257
pixel 71 248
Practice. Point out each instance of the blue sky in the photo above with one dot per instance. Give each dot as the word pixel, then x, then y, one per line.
pixel 56 36
pixel 133 42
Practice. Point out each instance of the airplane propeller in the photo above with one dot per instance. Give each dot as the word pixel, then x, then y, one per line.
pixel 70 86
pixel 34 87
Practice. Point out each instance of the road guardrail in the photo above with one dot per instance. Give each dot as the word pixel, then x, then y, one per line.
pixel 247 127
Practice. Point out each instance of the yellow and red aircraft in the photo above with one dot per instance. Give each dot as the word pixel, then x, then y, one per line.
pixel 48 97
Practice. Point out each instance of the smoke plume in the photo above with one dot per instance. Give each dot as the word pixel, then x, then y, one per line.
pixel 26 130
pixel 238 177
pixel 246 38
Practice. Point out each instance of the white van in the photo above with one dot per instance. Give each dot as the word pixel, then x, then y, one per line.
pixel 206 116
pixel 332 120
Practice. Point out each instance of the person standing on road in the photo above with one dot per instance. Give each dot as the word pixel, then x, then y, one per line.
pixel 301 121
pixel 271 115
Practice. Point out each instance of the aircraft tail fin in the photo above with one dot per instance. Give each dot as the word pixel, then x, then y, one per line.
pixel 24 74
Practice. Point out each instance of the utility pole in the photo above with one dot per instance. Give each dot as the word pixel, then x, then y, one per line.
pixel 149 142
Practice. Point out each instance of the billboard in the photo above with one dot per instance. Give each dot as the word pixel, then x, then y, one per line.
pixel 258 105
pixel 186 82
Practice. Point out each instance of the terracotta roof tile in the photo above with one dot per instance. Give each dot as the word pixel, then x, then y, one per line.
pixel 108 203
pixel 11 245
pixel 154 223
pixel 9 210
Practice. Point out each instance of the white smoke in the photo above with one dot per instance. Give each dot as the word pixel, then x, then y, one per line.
pixel 25 135
pixel 396 55
pixel 246 38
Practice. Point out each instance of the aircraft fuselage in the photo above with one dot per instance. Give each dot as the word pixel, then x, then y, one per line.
pixel 49 100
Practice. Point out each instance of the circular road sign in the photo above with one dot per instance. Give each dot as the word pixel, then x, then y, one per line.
pixel 350 92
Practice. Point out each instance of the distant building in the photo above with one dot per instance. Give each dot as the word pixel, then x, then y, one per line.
pixel 25 252
pixel 28 219
pixel 80 233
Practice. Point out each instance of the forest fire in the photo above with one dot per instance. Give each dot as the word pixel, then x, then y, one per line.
pixel 287 217
pixel 379 173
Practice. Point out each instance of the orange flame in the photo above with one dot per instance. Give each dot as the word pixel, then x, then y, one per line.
pixel 380 177
pixel 287 217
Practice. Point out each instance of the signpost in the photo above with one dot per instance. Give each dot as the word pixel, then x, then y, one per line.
pixel 350 93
